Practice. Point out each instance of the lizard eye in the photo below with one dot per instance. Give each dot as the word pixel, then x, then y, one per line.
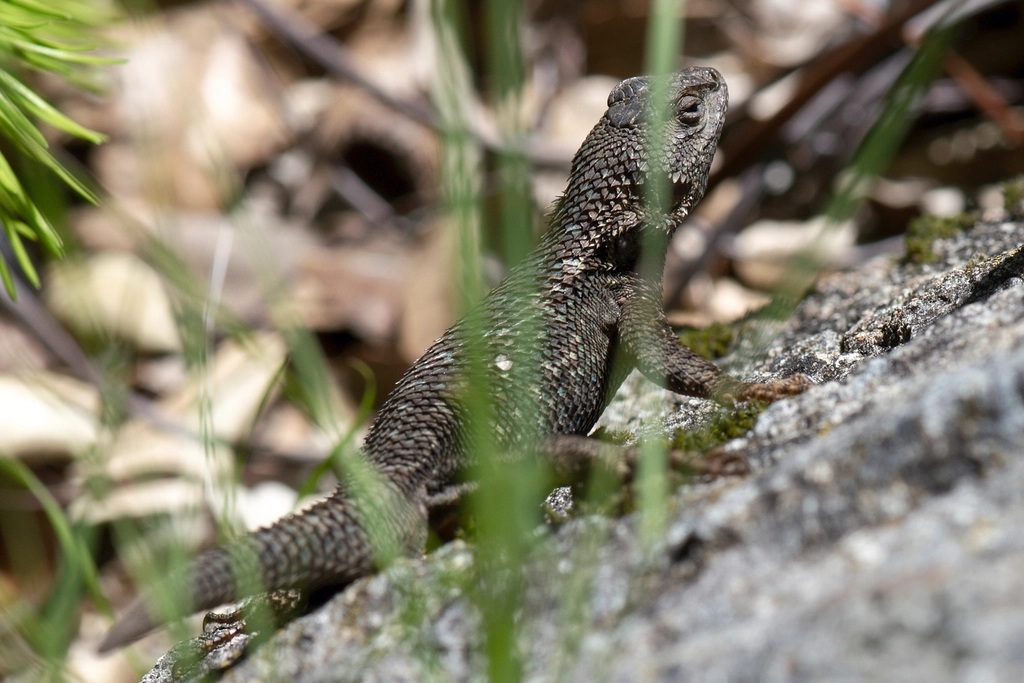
pixel 688 109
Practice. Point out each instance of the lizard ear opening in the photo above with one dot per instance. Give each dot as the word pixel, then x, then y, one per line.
pixel 623 252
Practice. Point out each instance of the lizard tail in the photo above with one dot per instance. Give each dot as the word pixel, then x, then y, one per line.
pixel 323 545
pixel 212 584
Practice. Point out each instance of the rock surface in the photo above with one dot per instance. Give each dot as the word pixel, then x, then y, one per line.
pixel 880 535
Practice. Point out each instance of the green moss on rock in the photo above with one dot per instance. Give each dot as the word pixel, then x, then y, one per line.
pixel 1013 197
pixel 725 424
pixel 924 230
pixel 711 342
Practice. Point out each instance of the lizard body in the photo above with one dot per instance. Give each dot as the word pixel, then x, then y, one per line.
pixel 551 332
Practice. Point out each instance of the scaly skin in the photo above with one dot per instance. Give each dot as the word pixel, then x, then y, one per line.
pixel 551 330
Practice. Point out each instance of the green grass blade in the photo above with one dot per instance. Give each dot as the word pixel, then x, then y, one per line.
pixel 872 157
pixel 365 410
pixel 5 275
pixel 47 235
pixel 12 194
pixel 70 545
pixel 63 53
pixel 69 179
pixel 664 44
pixel 25 231
pixel 15 202
pixel 16 126
pixel 19 252
pixel 41 8
pixel 883 140
pixel 36 105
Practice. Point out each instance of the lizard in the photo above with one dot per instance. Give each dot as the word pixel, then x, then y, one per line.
pixel 595 319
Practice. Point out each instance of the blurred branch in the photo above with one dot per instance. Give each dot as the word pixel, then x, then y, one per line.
pixel 740 148
pixel 362 197
pixel 986 97
pixel 974 85
pixel 25 307
pixel 37 320
pixel 335 58
pixel 946 12
pixel 751 192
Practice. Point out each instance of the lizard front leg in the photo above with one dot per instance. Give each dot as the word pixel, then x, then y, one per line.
pixel 657 352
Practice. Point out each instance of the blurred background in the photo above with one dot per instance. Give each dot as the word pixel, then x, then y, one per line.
pixel 284 196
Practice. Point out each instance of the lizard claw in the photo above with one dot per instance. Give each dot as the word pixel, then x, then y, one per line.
pixel 714 464
pixel 228 635
pixel 773 391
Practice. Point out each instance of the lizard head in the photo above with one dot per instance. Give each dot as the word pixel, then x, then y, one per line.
pixel 605 203
pixel 697 99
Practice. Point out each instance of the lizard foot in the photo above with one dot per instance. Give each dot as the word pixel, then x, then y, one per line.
pixel 714 464
pixel 228 634
pixel 773 391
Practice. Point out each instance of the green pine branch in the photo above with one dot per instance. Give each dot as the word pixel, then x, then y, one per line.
pixel 49 36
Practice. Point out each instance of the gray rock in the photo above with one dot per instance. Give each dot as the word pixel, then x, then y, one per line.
pixel 879 537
